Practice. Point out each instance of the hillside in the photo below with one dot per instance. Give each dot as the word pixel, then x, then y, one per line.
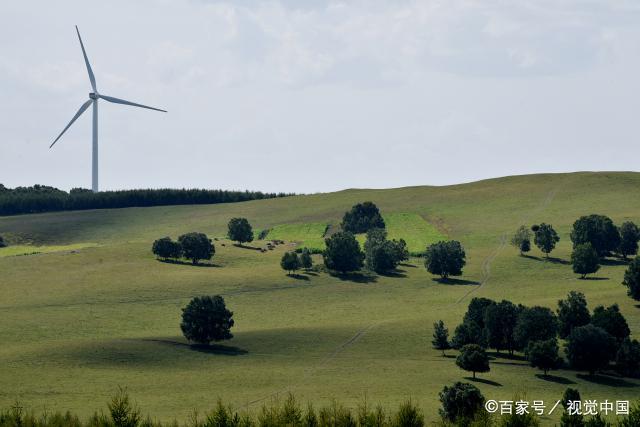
pixel 78 322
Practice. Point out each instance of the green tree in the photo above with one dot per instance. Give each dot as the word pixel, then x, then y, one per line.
pixel 572 312
pixel 545 238
pixel 628 358
pixel 196 246
pixel 380 253
pixel 207 319
pixel 290 262
pixel 306 261
pixel 629 237
pixel 460 402
pixel 445 259
pixel 166 248
pixel 589 348
pixel 440 339
pixel 521 240
pixel 362 218
pixel 239 230
pixel 400 250
pixel 543 354
pixel 3 244
pixel 571 420
pixel 585 260
pixel 611 320
pixel 123 412
pixel 473 358
pixel 598 230
pixel 499 325
pixel 343 253
pixel 467 333
pixel 632 279
pixel 535 324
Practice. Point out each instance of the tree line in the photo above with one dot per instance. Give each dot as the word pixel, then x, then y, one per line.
pixel 40 198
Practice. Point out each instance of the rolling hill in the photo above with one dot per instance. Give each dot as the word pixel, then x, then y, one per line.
pixel 78 322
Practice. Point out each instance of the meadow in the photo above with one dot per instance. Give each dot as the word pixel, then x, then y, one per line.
pixel 77 323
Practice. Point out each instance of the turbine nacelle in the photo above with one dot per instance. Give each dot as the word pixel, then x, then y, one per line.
pixel 93 97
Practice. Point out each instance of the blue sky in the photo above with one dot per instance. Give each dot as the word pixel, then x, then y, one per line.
pixel 310 96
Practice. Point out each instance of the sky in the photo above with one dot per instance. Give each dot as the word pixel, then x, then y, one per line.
pixel 314 96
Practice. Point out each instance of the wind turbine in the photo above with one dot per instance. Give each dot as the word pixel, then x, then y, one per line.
pixel 93 100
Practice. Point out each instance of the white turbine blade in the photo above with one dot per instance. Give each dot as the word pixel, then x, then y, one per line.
pixel 80 111
pixel 122 101
pixel 86 61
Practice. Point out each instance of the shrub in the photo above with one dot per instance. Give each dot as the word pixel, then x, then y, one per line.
pixel 343 253
pixel 589 348
pixel 239 230
pixel 445 259
pixel 473 358
pixel 460 402
pixel 166 248
pixel 632 279
pixel 408 415
pixel 196 246
pixel 362 218
pixel 207 319
pixel 584 260
pixel 290 262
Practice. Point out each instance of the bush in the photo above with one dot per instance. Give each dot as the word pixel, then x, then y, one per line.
pixel 584 260
pixel 362 218
pixel 166 248
pixel 589 348
pixel 460 402
pixel 196 247
pixel 473 358
pixel 239 230
pixel 632 279
pixel 290 262
pixel 343 253
pixel 207 319
pixel 445 259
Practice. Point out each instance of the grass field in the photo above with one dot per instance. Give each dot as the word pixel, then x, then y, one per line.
pixel 18 250
pixel 310 235
pixel 75 324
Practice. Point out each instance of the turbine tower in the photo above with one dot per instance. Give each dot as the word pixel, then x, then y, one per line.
pixel 93 100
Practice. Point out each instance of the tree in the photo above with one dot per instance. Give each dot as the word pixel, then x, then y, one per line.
pixel 535 324
pixel 632 279
pixel 572 312
pixel 629 237
pixel 499 325
pixel 445 259
pixel 473 358
pixel 584 260
pixel 362 218
pixel 290 262
pixel 598 230
pixel 467 333
pixel 380 253
pixel 589 348
pixel 611 320
pixel 343 253
pixel 196 246
pixel 306 261
pixel 476 310
pixel 571 420
pixel 545 238
pixel 166 248
pixel 3 244
pixel 440 339
pixel 207 319
pixel 628 358
pixel 460 402
pixel 400 250
pixel 522 239
pixel 239 230
pixel 543 354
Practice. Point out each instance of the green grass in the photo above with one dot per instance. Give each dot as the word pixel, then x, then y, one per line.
pixel 76 324
pixel 310 235
pixel 17 250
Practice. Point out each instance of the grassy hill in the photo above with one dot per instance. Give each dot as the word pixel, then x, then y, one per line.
pixel 78 322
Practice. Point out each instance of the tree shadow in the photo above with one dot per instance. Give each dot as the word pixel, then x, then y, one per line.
pixel 298 276
pixel 507 356
pixel 240 245
pixel 452 281
pixel 395 273
pixel 356 276
pixel 404 264
pixel 607 380
pixel 547 259
pixel 310 273
pixel 450 356
pixel 179 262
pixel 483 381
pixel 225 350
pixel 555 379
pixel 613 261
pixel 593 278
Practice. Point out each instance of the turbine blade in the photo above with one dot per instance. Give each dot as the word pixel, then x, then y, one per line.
pixel 78 114
pixel 122 101
pixel 86 61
